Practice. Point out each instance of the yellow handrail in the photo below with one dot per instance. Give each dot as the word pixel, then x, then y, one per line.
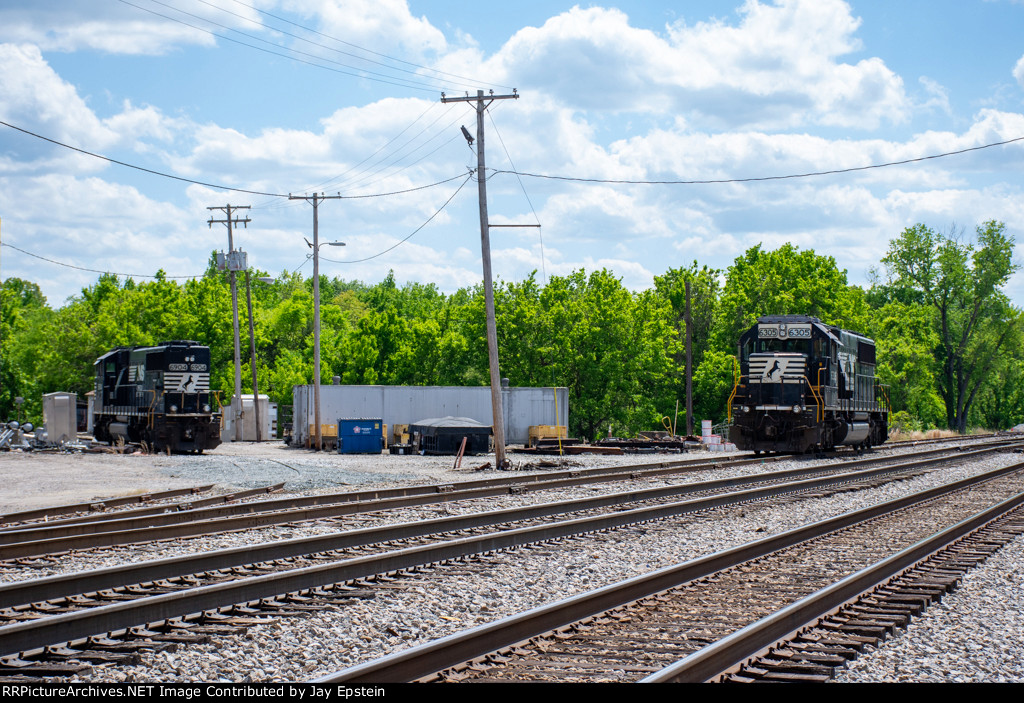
pixel 820 414
pixel 731 396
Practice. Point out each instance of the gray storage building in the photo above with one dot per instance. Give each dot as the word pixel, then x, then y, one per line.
pixel 522 407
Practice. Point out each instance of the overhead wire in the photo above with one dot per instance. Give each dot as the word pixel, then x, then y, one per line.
pixel 540 229
pixel 141 168
pixel 338 178
pixel 470 81
pixel 381 164
pixel 202 183
pixel 361 180
pixel 83 268
pixel 323 184
pixel 318 44
pixel 411 234
pixel 760 178
pixel 410 165
pixel 362 72
pixel 308 257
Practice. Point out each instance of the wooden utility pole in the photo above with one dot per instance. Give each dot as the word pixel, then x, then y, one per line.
pixel 689 368
pixel 315 200
pixel 497 413
pixel 232 267
pixel 252 360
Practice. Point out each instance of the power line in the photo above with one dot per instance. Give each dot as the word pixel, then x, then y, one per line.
pixel 395 156
pixel 403 241
pixel 208 185
pixel 318 44
pixel 399 192
pixel 363 73
pixel 540 230
pixel 82 268
pixel 760 178
pixel 340 176
pixel 575 179
pixel 369 51
pixel 140 168
pixel 411 164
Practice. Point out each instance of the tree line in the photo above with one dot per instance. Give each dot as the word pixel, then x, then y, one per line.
pixel 948 338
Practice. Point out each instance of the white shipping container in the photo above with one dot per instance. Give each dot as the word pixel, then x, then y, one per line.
pixel 398 405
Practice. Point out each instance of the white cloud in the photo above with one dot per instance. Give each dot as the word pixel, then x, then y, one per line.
pixel 383 24
pixel 1018 71
pixel 778 66
pixel 71 25
pixel 938 98
pixel 34 93
pixel 37 99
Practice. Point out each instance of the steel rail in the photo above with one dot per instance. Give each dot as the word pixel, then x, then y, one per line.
pixel 713 660
pixel 154 509
pixel 538 481
pixel 424 660
pixel 65 585
pixel 345 503
pixel 381 499
pixel 69 627
pixel 290 548
pixel 47 512
pixel 40 541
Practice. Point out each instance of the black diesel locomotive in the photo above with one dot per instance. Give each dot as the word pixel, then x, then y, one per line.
pixel 159 395
pixel 805 385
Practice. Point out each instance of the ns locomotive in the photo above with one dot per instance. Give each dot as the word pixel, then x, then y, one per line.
pixel 806 386
pixel 159 395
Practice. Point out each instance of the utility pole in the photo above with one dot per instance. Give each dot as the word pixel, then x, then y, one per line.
pixel 233 265
pixel 252 360
pixel 689 368
pixel 315 200
pixel 497 414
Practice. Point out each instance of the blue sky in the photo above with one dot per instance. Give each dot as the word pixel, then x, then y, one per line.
pixel 633 91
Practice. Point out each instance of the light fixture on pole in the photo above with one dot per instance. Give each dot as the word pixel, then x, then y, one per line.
pixel 315 201
pixel 315 246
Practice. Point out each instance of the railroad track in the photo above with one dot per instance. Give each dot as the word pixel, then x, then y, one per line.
pixel 97 602
pixel 18 542
pixel 589 514
pixel 704 611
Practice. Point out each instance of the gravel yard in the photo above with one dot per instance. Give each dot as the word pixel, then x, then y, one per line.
pixel 40 479
pixel 963 639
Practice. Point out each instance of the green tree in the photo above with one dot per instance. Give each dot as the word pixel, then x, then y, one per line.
pixel 705 289
pixel 961 283
pixel 905 340
pixel 786 281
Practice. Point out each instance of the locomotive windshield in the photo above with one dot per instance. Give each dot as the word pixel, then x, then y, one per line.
pixel 799 346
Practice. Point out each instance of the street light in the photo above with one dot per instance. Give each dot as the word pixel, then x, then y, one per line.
pixel 315 246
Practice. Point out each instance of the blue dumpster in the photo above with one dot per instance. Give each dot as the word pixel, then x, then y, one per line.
pixel 360 436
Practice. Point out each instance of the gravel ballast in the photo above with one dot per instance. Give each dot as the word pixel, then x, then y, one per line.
pixel 425 608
